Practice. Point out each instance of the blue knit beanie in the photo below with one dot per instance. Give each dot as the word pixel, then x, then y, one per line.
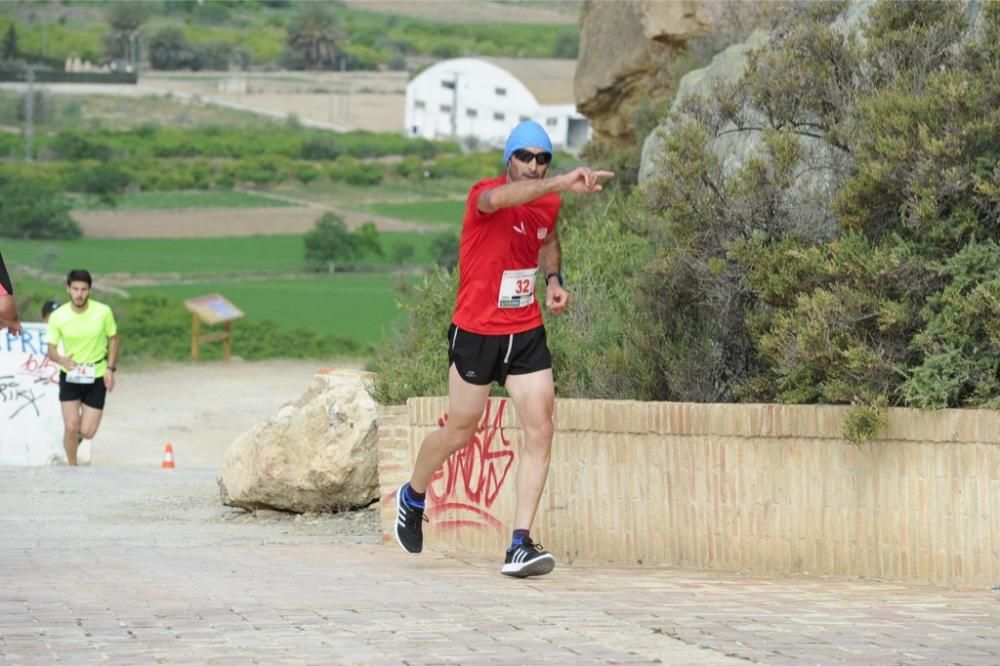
pixel 526 134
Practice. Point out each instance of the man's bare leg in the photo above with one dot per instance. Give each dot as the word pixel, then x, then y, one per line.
pixel 465 408
pixel 71 429
pixel 534 399
pixel 90 420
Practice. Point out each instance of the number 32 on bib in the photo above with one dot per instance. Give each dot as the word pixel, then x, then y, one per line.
pixel 517 288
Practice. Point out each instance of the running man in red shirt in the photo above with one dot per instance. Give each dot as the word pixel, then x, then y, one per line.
pixel 8 306
pixel 508 235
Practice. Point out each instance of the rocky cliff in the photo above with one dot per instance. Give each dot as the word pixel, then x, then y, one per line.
pixel 626 49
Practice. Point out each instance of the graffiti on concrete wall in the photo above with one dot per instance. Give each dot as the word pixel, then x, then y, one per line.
pixel 469 482
pixel 30 420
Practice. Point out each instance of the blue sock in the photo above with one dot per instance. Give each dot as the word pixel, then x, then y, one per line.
pixel 518 538
pixel 412 498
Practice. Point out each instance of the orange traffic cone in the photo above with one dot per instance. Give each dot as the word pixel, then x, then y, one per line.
pixel 168 457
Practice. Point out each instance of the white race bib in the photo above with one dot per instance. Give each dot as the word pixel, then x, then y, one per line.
pixel 82 373
pixel 517 288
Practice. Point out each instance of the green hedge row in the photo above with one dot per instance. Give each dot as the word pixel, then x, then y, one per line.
pixel 148 174
pixel 154 141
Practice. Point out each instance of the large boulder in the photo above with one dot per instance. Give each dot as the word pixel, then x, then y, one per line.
pixel 318 453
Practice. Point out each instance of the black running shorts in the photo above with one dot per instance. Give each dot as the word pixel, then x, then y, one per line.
pixel 6 288
pixel 92 395
pixel 481 359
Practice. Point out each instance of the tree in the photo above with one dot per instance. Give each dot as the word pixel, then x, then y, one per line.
pixel 33 209
pixel 444 249
pixel 330 243
pixel 402 253
pixel 10 44
pixel 216 55
pixel 79 145
pixel 104 181
pixel 124 20
pixel 170 49
pixel 314 38
pixel 367 241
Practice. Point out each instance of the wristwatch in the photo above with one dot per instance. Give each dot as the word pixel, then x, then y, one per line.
pixel 557 274
pixel 113 368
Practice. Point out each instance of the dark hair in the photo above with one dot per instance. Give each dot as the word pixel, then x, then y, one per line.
pixel 48 307
pixel 79 275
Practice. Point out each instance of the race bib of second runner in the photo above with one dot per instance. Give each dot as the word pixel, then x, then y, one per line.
pixel 82 373
pixel 517 288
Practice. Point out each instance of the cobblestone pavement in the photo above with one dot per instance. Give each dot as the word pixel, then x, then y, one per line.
pixel 144 567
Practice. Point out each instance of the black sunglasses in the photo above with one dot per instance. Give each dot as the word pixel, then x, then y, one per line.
pixel 526 156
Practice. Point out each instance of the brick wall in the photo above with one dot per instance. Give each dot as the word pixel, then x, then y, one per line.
pixel 759 488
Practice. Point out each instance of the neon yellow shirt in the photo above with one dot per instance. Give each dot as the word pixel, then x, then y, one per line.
pixel 84 335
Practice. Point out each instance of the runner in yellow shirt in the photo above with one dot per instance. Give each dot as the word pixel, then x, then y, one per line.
pixel 89 337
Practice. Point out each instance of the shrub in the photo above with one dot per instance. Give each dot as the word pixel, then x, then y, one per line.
pixel 31 208
pixel 262 170
pixel 306 173
pixel 444 250
pixel 330 245
pixel 321 147
pixel 402 253
pixel 170 49
pixel 102 179
pixel 413 362
pixel 355 172
pixel 75 145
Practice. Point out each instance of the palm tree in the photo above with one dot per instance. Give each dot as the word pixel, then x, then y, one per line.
pixel 314 37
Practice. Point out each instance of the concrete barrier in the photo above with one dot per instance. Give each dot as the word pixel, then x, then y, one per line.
pixel 769 489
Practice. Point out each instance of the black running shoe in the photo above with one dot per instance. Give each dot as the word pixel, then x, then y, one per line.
pixel 528 559
pixel 409 525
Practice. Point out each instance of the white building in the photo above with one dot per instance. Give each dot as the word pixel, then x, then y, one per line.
pixel 483 98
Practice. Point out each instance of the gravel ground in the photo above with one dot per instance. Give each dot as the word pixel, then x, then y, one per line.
pixel 92 503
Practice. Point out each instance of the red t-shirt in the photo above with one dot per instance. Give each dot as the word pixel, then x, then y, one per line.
pixel 498 262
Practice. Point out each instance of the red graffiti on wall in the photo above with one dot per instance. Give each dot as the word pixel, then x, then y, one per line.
pixel 41 368
pixel 471 479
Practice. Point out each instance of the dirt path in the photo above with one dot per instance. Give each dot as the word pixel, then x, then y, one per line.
pixel 200 409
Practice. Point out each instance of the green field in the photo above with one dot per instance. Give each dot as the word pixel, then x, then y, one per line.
pixel 361 307
pixel 182 200
pixel 448 212
pixel 189 256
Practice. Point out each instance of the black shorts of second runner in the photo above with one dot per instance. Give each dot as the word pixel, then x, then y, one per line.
pixel 481 359
pixel 92 395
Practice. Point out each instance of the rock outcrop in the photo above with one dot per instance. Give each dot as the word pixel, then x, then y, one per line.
pixel 727 66
pixel 813 185
pixel 625 51
pixel 318 453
